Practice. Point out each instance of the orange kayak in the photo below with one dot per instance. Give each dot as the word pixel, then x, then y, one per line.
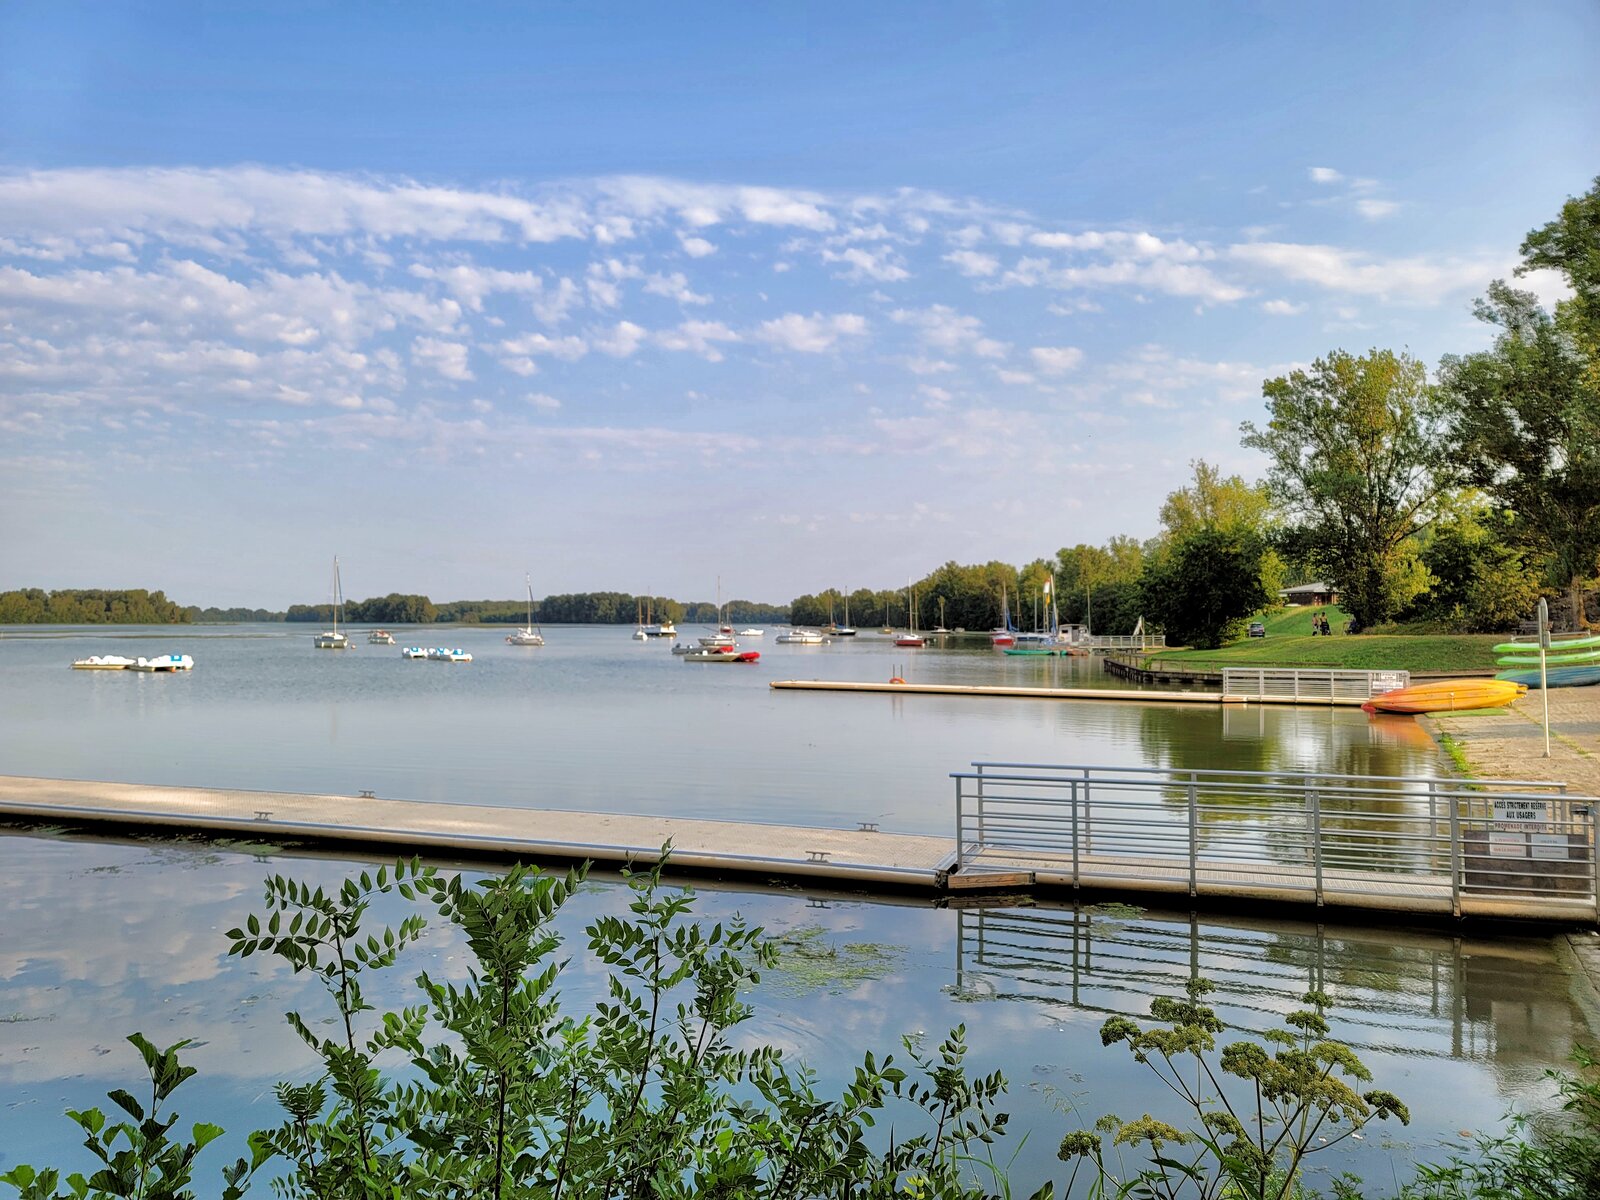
pixel 1447 695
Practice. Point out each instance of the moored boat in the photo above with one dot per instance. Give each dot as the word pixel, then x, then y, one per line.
pixel 103 662
pixel 414 652
pixel 332 639
pixel 1446 695
pixel 717 654
pixel 801 637
pixel 164 662
pixel 380 637
pixel 446 654
pixel 911 641
pixel 531 635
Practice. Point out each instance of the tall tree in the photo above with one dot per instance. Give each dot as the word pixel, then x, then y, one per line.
pixel 1571 244
pixel 1208 583
pixel 1526 425
pixel 1358 462
pixel 1229 503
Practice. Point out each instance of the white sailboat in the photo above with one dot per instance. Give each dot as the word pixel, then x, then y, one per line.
pixel 531 636
pixel 333 639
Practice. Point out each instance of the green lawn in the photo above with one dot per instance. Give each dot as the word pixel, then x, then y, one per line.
pixel 1289 644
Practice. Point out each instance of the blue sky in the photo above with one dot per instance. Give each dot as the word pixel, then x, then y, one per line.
pixel 636 297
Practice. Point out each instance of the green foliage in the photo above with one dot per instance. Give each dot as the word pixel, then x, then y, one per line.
pixel 132 606
pixel 1203 589
pixel 1571 245
pixel 1537 1160
pixel 1260 1111
pixel 140 1157
pixel 1358 462
pixel 1479 581
pixel 1526 425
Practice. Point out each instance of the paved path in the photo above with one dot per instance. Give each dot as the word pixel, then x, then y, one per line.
pixel 1510 745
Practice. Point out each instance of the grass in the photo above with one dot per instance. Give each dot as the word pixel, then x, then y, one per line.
pixel 1289 644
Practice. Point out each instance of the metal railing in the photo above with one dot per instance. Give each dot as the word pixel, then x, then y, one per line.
pixel 1405 843
pixel 1134 641
pixel 1311 683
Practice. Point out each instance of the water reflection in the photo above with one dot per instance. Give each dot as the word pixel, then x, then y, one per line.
pixel 102 938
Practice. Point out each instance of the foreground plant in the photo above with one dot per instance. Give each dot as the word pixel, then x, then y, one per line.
pixel 1294 1098
pixel 489 1087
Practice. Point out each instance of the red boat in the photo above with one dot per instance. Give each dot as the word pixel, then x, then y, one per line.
pixel 911 640
pixel 1003 639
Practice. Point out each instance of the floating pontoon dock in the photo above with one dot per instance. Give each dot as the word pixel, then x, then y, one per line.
pixel 1125 695
pixel 1415 848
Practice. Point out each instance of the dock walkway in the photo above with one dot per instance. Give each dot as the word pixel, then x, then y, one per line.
pixel 999 850
pixel 1122 695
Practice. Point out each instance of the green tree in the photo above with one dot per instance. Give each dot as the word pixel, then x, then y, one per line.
pixel 1526 425
pixel 1479 579
pixel 1213 501
pixel 1571 245
pixel 1358 462
pixel 1202 590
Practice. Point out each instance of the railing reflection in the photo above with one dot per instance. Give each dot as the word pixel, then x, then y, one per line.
pixel 1395 991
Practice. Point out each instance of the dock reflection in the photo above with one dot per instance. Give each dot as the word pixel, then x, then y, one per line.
pixel 1501 1002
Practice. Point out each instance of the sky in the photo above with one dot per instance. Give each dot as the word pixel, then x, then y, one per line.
pixel 636 297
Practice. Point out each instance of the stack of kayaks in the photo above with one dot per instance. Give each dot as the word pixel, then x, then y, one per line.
pixel 1570 662
pixel 1446 695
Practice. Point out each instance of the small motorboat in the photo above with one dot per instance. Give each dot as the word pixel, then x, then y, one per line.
pixel 414 652
pixel 752 632
pixel 103 662
pixel 1002 638
pixel 912 641
pixel 717 654
pixel 1447 695
pixel 164 662
pixel 802 637
pixel 380 637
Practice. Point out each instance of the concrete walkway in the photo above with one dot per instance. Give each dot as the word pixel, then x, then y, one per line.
pixel 1510 745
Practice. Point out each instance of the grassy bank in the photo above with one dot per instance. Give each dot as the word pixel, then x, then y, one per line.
pixel 1289 644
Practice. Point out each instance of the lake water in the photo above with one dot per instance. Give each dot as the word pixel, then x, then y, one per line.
pixel 101 937
pixel 596 721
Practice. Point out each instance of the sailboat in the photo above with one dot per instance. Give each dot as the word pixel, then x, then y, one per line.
pixel 639 635
pixel 333 639
pixel 911 639
pixel 1005 634
pixel 941 628
pixel 531 635
pixel 837 630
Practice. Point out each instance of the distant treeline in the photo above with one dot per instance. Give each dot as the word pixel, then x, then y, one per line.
pixel 90 606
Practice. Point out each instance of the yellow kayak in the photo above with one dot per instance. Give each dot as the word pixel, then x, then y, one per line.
pixel 1447 695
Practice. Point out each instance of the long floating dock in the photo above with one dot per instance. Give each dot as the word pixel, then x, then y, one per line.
pixel 734 847
pixel 861 858
pixel 1124 695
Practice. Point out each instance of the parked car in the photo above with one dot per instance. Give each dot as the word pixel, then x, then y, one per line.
pixel 1257 629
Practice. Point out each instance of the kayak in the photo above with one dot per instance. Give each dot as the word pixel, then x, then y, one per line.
pixel 1447 695
pixel 1551 659
pixel 1558 645
pixel 1559 676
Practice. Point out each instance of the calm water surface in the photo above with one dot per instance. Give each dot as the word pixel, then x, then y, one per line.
pixel 99 938
pixel 596 721
pixel 102 938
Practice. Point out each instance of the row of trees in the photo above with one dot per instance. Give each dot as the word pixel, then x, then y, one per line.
pixel 94 606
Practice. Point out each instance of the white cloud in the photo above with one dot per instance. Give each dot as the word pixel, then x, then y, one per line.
pixel 929 366
pixel 952 332
pixel 1415 279
pixel 810 335
pixel 697 337
pixel 1282 308
pixel 1013 377
pixel 449 359
pixel 543 402
pixel 1324 175
pixel 696 247
pixel 1376 210
pixel 880 265
pixel 568 348
pixel 621 341
pixel 1056 360
pixel 972 263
